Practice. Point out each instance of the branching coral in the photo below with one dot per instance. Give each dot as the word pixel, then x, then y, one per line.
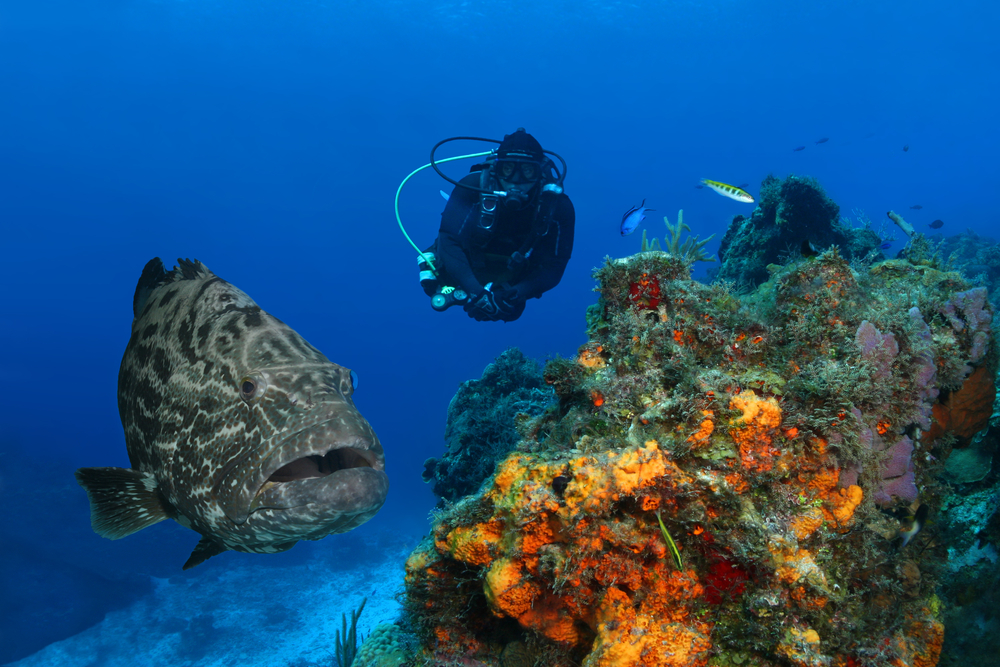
pixel 691 250
pixel 347 640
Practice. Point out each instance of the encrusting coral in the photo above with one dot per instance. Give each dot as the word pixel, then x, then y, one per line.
pixel 771 435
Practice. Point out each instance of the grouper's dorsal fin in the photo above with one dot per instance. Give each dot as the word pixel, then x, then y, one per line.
pixel 189 269
pixel 122 500
pixel 206 549
pixel 152 277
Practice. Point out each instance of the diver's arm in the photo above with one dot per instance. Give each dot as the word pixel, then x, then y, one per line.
pixel 548 276
pixel 456 263
pixel 556 248
pixel 459 213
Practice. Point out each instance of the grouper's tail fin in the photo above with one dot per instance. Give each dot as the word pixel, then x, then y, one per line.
pixel 122 500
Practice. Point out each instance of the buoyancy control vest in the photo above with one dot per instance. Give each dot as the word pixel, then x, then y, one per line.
pixel 546 200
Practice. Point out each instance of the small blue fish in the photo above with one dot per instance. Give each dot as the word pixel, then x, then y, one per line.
pixel 634 217
pixel 886 245
pixel 800 148
pixel 823 140
pixel 445 195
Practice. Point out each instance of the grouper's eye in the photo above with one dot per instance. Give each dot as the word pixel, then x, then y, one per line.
pixel 252 387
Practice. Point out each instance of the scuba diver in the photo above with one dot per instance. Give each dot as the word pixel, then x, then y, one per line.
pixel 506 232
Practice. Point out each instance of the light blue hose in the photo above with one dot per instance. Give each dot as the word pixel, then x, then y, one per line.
pixel 400 189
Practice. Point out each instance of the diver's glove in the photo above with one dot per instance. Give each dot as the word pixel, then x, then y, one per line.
pixel 508 298
pixel 511 301
pixel 483 308
pixel 491 306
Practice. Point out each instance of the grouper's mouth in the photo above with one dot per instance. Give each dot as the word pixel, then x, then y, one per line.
pixel 316 465
pixel 335 466
pixel 323 493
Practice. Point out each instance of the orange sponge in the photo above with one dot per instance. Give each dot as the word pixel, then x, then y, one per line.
pixel 627 638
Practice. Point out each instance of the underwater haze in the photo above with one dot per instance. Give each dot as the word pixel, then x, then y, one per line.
pixel 268 138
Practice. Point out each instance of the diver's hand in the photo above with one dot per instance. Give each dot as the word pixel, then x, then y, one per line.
pixel 492 306
pixel 483 308
pixel 508 298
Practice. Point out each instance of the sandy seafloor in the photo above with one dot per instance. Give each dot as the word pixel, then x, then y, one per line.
pixel 249 614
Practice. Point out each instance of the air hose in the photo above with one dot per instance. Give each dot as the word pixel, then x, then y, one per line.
pixel 400 189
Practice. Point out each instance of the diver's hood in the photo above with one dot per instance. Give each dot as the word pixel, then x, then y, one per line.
pixel 520 143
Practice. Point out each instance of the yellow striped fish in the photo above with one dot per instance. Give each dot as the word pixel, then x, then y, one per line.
pixel 730 191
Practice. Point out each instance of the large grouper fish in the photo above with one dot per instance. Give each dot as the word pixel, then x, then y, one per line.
pixel 235 426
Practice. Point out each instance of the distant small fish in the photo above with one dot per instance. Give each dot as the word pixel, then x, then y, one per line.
pixel 445 195
pixel 886 245
pixel 906 148
pixel 937 224
pixel 743 186
pixel 823 140
pixel 808 249
pixel 916 207
pixel 799 148
pixel 634 217
pixel 731 191
pixel 699 186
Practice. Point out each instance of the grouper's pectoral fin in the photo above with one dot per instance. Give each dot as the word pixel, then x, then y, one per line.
pixel 122 500
pixel 206 549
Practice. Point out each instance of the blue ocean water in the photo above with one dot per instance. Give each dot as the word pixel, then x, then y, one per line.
pixel 267 139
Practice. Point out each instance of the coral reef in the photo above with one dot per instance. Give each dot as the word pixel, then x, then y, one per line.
pixel 721 480
pixel 977 257
pixel 969 524
pixel 790 212
pixel 482 423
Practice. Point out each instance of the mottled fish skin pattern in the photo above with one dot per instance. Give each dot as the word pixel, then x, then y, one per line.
pixel 211 451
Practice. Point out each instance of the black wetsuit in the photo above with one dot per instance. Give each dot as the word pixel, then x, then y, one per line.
pixel 470 256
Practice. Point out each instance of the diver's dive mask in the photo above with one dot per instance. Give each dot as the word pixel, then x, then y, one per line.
pixel 518 171
pixel 518 174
